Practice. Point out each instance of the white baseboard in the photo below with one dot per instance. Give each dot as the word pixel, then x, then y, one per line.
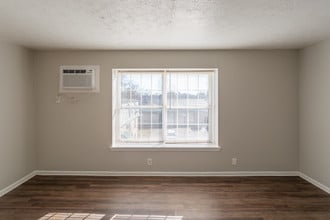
pixel 17 183
pixel 144 173
pixel 315 182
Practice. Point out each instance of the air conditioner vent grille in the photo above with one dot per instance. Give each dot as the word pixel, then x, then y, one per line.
pixel 72 71
pixel 79 79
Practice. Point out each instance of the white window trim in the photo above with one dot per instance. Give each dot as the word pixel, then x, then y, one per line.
pixel 188 146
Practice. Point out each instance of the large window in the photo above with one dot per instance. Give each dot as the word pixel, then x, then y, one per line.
pixel 165 108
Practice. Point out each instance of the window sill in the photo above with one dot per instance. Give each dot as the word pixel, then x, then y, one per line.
pixel 165 147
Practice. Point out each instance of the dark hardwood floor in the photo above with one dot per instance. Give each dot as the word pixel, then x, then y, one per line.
pixel 202 198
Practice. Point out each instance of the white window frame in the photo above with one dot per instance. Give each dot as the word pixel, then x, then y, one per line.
pixel 193 146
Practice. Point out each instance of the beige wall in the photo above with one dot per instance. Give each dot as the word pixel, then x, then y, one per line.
pixel 258 101
pixel 315 112
pixel 17 114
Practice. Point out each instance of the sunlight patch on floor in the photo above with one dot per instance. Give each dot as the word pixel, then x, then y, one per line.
pixel 71 216
pixel 145 217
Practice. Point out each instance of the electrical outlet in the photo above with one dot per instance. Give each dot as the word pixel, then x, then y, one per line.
pixel 58 99
pixel 234 161
pixel 149 161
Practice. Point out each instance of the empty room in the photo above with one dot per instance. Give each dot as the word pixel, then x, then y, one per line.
pixel 164 109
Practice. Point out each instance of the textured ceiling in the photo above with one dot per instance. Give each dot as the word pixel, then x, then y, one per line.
pixel 164 24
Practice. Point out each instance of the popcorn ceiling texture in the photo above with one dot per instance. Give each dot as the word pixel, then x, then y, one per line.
pixel 165 24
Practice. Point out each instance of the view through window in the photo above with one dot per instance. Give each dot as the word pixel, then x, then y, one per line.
pixel 164 106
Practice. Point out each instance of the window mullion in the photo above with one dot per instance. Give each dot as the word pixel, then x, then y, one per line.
pixel 198 111
pixel 118 107
pixel 187 104
pixel 177 104
pixel 151 110
pixel 210 108
pixel 164 119
pixel 140 110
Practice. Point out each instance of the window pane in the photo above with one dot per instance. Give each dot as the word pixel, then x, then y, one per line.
pixel 203 132
pixel 203 81
pixel 172 99
pixel 203 98
pixel 135 98
pixel 129 122
pixel 157 98
pixel 135 82
pixel 172 132
pixel 130 82
pixel 188 89
pixel 144 132
pixel 193 98
pixel 182 132
pixel 157 82
pixel 146 116
pixel 125 82
pixel 193 117
pixel 203 117
pixel 157 117
pixel 182 81
pixel 172 116
pixel 139 125
pixel 146 97
pixel 125 89
pixel 156 132
pixel 182 116
pixel 125 97
pixel 145 81
pixel 172 82
pixel 193 82
pixel 151 124
pixel 182 98
pixel 192 132
pixel 187 93
pixel 141 89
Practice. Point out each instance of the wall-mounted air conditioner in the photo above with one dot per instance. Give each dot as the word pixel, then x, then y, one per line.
pixel 79 79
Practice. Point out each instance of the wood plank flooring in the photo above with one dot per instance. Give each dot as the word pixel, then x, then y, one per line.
pixel 160 198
